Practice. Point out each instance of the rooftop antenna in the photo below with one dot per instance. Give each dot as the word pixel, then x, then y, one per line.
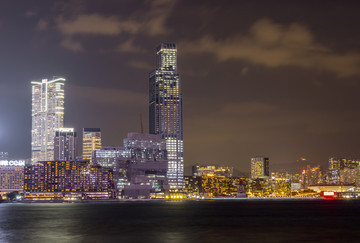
pixel 141 124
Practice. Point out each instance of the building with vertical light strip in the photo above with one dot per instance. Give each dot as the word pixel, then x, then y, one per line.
pixel 65 144
pixel 165 111
pixel 47 116
pixel 91 142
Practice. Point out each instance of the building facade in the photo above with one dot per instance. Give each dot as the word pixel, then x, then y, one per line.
pixel 11 176
pixel 312 175
pixel 350 176
pixel 166 111
pixel 91 142
pixel 65 144
pixel 145 170
pixel 343 171
pixel 259 167
pixel 109 156
pixel 58 180
pixel 139 167
pixel 47 116
pixel 342 163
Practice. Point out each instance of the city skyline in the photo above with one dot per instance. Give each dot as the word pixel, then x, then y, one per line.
pixel 179 121
pixel 258 78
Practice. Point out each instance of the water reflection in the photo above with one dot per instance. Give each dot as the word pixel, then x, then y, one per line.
pixel 4 232
pixel 244 220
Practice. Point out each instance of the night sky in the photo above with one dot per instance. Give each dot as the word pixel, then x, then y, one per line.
pixel 272 78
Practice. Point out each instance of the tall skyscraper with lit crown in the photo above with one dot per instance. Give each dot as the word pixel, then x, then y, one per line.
pixel 47 116
pixel 166 112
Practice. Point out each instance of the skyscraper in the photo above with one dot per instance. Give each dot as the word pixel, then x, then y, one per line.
pixel 91 142
pixel 165 111
pixel 65 144
pixel 259 167
pixel 47 116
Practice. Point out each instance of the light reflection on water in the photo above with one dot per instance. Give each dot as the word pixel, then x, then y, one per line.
pixel 204 221
pixel 37 223
pixel 3 221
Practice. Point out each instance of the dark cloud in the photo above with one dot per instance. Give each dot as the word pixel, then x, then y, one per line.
pixel 274 45
pixel 95 24
pixel 129 46
pixel 151 22
pixel 141 65
pixel 31 13
pixel 72 44
pixel 107 96
pixel 42 25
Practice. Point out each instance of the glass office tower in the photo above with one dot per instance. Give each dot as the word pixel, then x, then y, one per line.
pixel 165 111
pixel 47 116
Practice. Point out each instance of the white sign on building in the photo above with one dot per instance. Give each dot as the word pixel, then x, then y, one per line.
pixel 12 163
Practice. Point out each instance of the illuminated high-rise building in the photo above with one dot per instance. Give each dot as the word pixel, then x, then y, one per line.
pixel 259 167
pixel 165 111
pixel 47 116
pixel 65 144
pixel 91 142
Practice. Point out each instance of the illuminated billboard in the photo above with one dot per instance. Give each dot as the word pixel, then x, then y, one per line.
pixel 328 194
pixel 12 163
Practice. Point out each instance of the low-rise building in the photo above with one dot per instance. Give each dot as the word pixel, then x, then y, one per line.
pixel 145 170
pixel 11 176
pixel 139 167
pixel 59 180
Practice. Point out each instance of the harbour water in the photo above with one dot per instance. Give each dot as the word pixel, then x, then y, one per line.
pixel 222 221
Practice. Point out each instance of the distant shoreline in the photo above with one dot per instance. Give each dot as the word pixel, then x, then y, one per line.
pixel 170 200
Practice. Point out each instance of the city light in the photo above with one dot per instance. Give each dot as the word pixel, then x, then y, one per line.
pixel 179 121
pixel 328 194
